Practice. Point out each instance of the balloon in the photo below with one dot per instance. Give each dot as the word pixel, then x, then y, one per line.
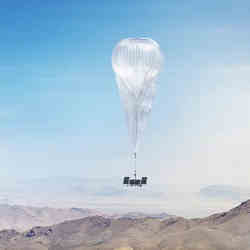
pixel 137 63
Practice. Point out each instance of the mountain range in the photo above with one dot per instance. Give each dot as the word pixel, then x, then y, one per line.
pixel 222 231
pixel 21 218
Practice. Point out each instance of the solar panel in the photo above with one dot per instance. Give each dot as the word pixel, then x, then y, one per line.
pixel 132 181
pixel 144 180
pixel 126 180
pixel 138 182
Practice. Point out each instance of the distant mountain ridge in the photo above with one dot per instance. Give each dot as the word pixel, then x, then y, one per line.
pixel 139 215
pixel 111 195
pixel 223 231
pixel 226 192
pixel 22 218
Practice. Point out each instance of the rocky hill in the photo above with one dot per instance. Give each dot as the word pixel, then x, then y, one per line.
pixel 225 231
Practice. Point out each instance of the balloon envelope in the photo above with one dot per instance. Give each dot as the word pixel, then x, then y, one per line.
pixel 137 63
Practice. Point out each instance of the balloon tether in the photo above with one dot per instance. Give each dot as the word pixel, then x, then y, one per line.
pixel 135 164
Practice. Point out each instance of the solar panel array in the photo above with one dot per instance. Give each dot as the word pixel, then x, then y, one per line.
pixel 135 182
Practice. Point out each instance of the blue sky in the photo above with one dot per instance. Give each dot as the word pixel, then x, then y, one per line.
pixel 60 110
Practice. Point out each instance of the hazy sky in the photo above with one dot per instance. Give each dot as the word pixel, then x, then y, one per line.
pixel 60 110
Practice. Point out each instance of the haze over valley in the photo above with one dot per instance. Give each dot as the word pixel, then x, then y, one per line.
pixel 109 196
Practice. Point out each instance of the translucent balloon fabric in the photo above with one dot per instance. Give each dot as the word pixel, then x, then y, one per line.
pixel 137 63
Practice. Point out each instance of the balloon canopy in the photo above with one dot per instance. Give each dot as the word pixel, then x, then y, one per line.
pixel 137 63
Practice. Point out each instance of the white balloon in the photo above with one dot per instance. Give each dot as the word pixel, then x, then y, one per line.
pixel 137 63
